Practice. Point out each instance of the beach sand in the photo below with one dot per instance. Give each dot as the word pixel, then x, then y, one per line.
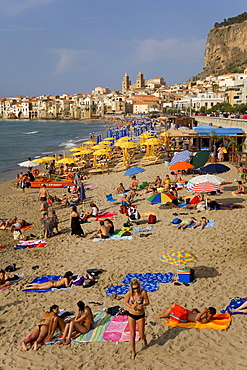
pixel 220 274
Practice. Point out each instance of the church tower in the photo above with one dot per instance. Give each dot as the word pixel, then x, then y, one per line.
pixel 140 82
pixel 126 82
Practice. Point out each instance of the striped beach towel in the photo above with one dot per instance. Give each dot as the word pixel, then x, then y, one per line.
pixel 101 321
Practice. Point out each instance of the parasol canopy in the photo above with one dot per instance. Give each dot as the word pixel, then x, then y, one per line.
pixel 134 171
pixel 44 159
pixel 28 164
pixel 215 168
pixel 205 178
pixel 65 160
pixel 161 198
pixel 179 258
pixel 181 157
pixel 179 166
pixel 205 187
pixel 200 159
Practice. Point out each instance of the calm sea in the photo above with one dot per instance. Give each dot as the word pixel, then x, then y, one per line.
pixel 22 139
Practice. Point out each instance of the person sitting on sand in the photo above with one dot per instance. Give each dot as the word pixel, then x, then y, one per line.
pixel 120 188
pixel 167 183
pixel 241 188
pixel 131 196
pixel 182 315
pixel 109 224
pixel 102 232
pixel 135 183
pixel 45 329
pixel 185 223
pixel 92 214
pixel 6 279
pixel 64 281
pixel 240 309
pixel 124 201
pixel 202 223
pixel 82 323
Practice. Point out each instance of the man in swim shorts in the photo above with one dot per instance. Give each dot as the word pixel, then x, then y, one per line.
pixel 184 224
pixel 43 194
pixel 240 189
pixel 182 315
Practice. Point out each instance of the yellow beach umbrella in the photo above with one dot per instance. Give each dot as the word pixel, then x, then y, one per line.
pixel 44 159
pixel 109 139
pixel 164 134
pixel 99 146
pixel 66 160
pixel 90 142
pixel 153 141
pixel 82 152
pixel 99 152
pixel 127 144
pixel 74 149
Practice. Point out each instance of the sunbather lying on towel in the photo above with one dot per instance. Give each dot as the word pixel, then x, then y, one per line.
pixel 65 281
pixel 5 224
pixel 181 314
pixel 45 329
pixel 6 279
pixel 81 324
pixel 240 309
pixel 202 223
pixel 185 223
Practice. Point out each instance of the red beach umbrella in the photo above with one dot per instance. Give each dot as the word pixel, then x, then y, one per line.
pixel 179 166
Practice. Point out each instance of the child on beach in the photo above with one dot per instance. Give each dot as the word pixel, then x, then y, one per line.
pixel 54 221
pixel 44 209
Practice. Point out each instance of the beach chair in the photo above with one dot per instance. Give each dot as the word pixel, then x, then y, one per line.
pixel 109 198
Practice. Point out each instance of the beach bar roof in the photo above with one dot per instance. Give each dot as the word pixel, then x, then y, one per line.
pixel 206 130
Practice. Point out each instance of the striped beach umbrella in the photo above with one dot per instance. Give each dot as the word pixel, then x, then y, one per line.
pixel 179 257
pixel 205 187
pixel 205 178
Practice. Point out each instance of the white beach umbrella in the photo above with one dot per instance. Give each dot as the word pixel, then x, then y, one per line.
pixel 29 164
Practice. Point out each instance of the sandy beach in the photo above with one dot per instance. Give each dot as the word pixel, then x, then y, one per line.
pixel 220 275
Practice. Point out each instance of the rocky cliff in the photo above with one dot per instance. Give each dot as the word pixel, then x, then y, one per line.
pixel 226 50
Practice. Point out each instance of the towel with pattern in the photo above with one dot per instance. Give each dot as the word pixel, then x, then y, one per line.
pixel 44 279
pixel 30 244
pixel 235 303
pixel 220 322
pixel 149 282
pixel 141 229
pixel 118 330
pixel 113 237
pixel 101 321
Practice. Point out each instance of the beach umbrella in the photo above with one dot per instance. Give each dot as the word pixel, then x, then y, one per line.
pixel 215 168
pixel 99 146
pixel 200 159
pixel 179 258
pixel 29 164
pixel 65 160
pixel 181 157
pixel 82 152
pixel 161 198
pixel 74 149
pixel 134 171
pixel 44 159
pixel 153 141
pixel 205 178
pixel 90 142
pixel 205 187
pixel 127 144
pixel 104 151
pixel 179 166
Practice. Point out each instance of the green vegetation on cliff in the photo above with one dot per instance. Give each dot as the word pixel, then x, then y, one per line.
pixel 227 22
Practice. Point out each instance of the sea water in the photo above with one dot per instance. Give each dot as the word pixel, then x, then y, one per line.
pixel 20 139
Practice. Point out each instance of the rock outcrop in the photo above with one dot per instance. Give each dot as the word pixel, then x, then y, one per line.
pixel 226 50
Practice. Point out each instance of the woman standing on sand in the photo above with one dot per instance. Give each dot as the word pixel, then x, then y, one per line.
pixel 75 223
pixel 45 329
pixel 136 299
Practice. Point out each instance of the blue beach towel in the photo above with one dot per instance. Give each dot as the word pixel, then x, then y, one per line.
pixel 235 303
pixel 209 224
pixel 44 279
pixel 141 229
pixel 149 282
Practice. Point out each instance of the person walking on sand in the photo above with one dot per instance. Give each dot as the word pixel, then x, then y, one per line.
pixel 82 323
pixel 45 329
pixel 43 194
pixel 136 299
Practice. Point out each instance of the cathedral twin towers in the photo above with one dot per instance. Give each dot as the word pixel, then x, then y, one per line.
pixel 126 83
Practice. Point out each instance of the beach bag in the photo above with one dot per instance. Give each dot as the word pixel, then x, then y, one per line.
pixel 123 210
pixel 79 281
pixel 11 267
pixel 176 221
pixel 94 272
pixel 16 234
pixel 88 282
pixel 152 219
pixel 113 310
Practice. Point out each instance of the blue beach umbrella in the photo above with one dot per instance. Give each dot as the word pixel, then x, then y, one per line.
pixel 181 157
pixel 133 171
pixel 215 168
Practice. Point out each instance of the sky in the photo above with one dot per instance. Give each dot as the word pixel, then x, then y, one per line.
pixel 73 46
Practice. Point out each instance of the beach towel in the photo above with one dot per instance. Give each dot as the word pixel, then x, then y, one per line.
pixel 101 321
pixel 239 195
pixel 20 277
pixel 118 330
pixel 115 236
pixel 235 303
pixel 147 214
pixel 149 282
pixel 144 228
pixel 220 322
pixel 44 279
pixel 105 215
pixel 27 226
pixel 209 224
pixel 30 244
